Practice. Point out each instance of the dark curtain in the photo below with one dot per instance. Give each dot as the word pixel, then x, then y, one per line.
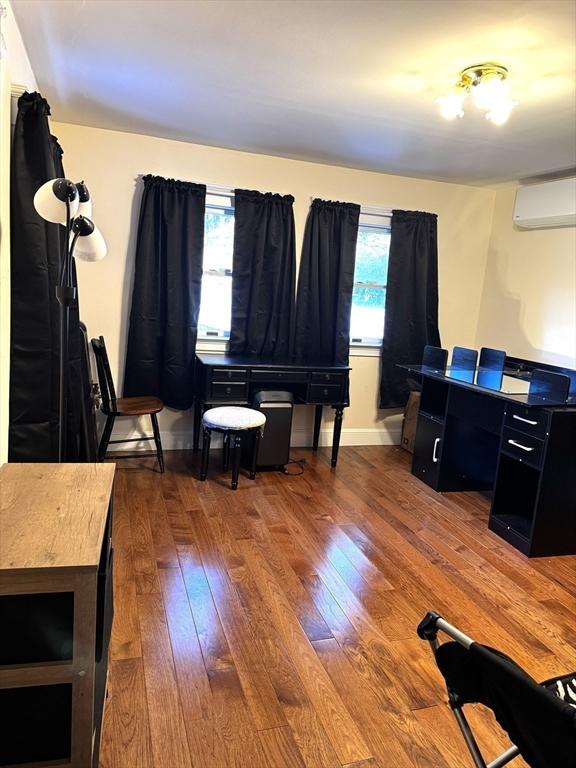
pixel 35 256
pixel 325 283
pixel 263 275
pixel 411 319
pixel 166 292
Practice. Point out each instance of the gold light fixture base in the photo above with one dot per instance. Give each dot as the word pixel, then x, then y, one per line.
pixel 473 75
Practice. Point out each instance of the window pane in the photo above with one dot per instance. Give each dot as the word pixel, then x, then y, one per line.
pixel 370 276
pixel 216 305
pixel 218 239
pixel 372 256
pixel 367 318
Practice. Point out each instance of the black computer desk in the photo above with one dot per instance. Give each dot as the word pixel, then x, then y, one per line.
pixel 521 447
pixel 233 380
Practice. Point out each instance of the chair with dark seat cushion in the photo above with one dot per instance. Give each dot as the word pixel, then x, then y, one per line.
pixel 114 407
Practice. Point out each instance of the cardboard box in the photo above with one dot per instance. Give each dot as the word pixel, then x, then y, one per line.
pixel 409 423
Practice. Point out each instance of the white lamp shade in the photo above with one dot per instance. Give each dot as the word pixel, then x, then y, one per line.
pixel 50 207
pixel 85 209
pixel 91 247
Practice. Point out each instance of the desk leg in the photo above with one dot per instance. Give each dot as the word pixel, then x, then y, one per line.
pixel 317 423
pixel 338 414
pixel 198 410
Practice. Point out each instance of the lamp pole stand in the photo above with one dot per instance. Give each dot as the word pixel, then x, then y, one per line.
pixel 48 201
pixel 66 296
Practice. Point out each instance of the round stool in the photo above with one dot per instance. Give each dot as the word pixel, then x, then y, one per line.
pixel 235 423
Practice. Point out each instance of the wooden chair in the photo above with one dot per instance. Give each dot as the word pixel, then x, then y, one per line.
pixel 114 407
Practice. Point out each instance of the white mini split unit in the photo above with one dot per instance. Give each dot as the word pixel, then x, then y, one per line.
pixel 551 204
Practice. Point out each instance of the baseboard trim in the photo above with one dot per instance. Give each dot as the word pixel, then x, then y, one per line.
pixel 172 441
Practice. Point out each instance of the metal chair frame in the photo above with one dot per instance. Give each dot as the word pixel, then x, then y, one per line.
pixel 428 630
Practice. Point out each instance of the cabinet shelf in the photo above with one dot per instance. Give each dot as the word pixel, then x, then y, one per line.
pixel 56 608
pixel 37 628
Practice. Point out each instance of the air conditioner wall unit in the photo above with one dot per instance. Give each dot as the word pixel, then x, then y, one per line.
pixel 551 204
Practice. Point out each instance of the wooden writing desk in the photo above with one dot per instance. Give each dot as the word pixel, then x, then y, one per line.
pixel 227 380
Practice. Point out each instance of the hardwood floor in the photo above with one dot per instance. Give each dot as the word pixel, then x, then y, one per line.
pixel 275 625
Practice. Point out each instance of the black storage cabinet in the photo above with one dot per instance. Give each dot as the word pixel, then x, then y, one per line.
pixel 274 448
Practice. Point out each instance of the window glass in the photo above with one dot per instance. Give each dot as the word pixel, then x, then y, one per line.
pixel 370 274
pixel 216 303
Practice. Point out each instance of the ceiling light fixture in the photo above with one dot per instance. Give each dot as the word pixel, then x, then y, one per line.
pixel 487 85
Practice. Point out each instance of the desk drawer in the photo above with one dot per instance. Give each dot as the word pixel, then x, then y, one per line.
pixel 327 377
pixel 530 421
pixel 331 393
pixel 525 448
pixel 233 391
pixel 228 374
pixel 272 376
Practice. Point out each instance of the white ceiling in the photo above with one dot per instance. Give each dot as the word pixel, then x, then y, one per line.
pixel 349 82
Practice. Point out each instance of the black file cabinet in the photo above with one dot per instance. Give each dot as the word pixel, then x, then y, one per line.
pixel 428 449
pixel 534 502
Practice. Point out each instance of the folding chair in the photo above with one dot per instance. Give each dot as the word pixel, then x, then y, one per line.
pixel 539 718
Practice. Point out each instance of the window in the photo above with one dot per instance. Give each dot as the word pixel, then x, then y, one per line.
pixel 216 303
pixel 369 294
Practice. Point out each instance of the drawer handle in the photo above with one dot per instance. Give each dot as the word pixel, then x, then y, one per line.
pixel 434 456
pixel 526 421
pixel 325 391
pixel 228 390
pixel 519 445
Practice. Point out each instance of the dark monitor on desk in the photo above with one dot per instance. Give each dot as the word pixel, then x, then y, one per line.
pixel 546 386
pixel 491 368
pixel 463 365
pixel 434 359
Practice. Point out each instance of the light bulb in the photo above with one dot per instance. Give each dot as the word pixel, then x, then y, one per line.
pixel 491 90
pixel 451 104
pixel 499 113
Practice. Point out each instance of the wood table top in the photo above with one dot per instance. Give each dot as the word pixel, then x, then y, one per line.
pixel 53 515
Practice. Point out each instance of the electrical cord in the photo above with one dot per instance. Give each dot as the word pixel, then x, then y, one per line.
pixel 300 463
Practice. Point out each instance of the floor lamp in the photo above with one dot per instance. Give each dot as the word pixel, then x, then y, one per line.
pixel 60 201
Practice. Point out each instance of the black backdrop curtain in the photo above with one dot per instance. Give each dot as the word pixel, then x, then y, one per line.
pixel 411 319
pixel 35 256
pixel 263 275
pixel 166 293
pixel 325 283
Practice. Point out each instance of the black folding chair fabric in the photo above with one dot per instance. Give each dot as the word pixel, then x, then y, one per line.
pixel 541 724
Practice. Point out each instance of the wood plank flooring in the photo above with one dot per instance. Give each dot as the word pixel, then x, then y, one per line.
pixel 274 626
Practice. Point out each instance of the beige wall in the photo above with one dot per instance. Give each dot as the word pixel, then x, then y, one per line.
pixel 529 297
pixel 110 162
pixel 15 69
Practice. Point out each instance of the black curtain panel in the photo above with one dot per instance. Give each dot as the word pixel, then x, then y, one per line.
pixel 36 247
pixel 263 275
pixel 411 319
pixel 166 292
pixel 325 283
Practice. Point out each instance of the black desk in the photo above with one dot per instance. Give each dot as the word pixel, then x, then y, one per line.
pixel 521 447
pixel 226 380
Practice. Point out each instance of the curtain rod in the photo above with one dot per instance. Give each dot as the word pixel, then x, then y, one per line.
pixel 366 208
